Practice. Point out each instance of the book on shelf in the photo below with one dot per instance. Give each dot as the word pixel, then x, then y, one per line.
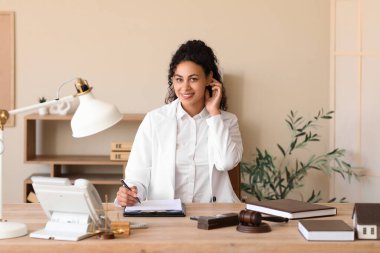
pixel 119 156
pixel 326 230
pixel 291 209
pixel 121 146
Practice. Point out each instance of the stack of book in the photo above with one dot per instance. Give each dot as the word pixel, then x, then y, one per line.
pixel 120 151
pixel 312 230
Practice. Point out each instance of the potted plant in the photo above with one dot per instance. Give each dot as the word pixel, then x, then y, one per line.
pixel 42 110
pixel 265 178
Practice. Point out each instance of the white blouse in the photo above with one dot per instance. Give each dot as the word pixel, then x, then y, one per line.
pixel 192 180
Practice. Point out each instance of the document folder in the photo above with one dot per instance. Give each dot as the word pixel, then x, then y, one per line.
pixel 156 208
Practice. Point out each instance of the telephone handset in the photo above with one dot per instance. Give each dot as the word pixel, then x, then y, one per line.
pixel 93 199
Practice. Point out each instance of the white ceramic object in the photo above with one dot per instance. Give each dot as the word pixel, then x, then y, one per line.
pixel 60 108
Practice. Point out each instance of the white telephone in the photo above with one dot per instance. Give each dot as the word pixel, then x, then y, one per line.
pixel 74 211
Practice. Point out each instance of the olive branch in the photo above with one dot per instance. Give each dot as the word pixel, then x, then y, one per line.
pixel 268 180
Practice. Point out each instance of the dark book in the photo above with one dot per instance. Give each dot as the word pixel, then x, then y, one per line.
pixel 218 221
pixel 291 209
pixel 326 230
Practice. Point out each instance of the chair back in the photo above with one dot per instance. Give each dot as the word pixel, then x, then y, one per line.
pixel 235 179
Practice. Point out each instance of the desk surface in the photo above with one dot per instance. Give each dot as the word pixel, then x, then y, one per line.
pixel 180 234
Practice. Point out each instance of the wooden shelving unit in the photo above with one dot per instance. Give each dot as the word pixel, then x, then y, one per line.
pixel 58 162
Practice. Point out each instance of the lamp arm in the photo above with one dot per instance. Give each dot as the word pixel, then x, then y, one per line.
pixel 64 83
pixel 39 105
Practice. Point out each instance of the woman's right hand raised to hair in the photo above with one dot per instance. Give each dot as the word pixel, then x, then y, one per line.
pixel 127 197
pixel 212 103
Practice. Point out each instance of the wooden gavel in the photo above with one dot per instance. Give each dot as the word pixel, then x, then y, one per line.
pixel 251 222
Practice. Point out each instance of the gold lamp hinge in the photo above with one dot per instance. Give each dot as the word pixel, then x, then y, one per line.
pixel 82 87
pixel 4 115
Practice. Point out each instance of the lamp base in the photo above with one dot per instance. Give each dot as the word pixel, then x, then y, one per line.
pixel 12 229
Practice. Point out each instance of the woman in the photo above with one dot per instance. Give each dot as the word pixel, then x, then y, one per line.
pixel 185 148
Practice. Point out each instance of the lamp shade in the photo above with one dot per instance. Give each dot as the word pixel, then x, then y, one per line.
pixel 93 116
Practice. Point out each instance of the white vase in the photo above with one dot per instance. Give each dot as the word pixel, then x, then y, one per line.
pixel 61 108
pixel 42 111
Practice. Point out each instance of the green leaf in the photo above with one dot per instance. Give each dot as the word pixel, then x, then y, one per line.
pixel 281 149
pixel 343 200
pixel 292 145
pixel 314 197
pixel 298 119
pixel 300 134
pixel 290 124
pixel 332 152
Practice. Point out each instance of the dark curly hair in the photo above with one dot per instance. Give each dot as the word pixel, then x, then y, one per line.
pixel 198 52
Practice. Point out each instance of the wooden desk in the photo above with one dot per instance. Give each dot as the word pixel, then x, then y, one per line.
pixel 181 235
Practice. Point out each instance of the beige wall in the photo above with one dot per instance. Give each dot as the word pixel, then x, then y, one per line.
pixel 274 55
pixel 355 61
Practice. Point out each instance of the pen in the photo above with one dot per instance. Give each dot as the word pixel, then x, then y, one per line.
pixel 126 186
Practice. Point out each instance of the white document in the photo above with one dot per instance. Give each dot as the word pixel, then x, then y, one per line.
pixel 156 205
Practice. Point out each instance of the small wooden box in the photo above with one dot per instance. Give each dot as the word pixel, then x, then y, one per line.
pixel 120 228
pixel 121 146
pixel 119 156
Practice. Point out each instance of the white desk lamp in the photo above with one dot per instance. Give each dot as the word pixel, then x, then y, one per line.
pixel 92 116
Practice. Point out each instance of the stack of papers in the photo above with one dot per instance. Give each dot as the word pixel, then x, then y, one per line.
pixel 156 208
